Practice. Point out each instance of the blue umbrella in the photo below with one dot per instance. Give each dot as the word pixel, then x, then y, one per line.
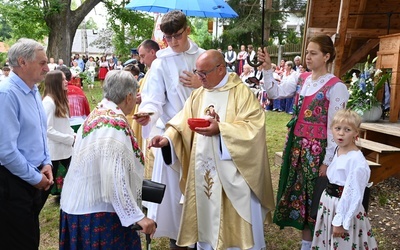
pixel 198 8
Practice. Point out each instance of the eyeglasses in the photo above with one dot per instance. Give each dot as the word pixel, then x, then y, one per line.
pixel 204 74
pixel 177 36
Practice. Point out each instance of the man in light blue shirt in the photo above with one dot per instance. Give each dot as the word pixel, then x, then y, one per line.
pixel 25 165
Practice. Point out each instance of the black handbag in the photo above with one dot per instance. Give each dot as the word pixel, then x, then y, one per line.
pixel 319 187
pixel 153 191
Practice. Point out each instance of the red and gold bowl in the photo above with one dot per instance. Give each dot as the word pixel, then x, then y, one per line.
pixel 198 123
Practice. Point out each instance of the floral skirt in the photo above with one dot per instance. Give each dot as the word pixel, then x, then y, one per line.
pixel 96 231
pixel 360 235
pixel 297 181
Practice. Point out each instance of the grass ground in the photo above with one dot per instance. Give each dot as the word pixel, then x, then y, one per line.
pixel 287 239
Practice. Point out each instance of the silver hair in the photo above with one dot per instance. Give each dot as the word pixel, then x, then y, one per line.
pixel 25 48
pixel 118 84
pixel 290 64
pixel 297 58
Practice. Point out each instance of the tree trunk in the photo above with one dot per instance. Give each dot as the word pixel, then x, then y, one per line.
pixel 63 26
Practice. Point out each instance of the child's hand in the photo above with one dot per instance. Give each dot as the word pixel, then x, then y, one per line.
pixel 322 170
pixel 339 231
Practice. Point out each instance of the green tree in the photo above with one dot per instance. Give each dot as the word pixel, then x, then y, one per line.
pixel 5 30
pixel 246 29
pixel 130 27
pixel 59 19
pixel 199 33
pixel 54 19
pixel 90 24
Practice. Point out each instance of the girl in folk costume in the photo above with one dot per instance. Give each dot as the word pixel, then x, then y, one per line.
pixel 309 147
pixel 111 64
pixel 241 59
pixel 103 69
pixel 342 221
pixel 75 71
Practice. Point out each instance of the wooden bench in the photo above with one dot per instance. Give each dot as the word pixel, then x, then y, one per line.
pixel 376 146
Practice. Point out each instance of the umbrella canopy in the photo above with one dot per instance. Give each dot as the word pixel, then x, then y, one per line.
pixel 198 8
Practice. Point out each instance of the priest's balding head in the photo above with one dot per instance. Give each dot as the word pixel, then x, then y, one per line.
pixel 210 68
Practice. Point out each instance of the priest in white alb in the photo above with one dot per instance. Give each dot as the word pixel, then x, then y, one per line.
pixel 225 175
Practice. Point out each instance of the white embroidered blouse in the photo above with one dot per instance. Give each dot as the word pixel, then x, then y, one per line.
pixel 350 170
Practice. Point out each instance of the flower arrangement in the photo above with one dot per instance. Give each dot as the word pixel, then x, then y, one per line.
pixel 363 88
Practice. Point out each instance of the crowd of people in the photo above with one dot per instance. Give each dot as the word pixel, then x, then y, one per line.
pixel 218 183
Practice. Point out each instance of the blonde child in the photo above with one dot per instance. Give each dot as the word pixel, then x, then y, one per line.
pixel 342 222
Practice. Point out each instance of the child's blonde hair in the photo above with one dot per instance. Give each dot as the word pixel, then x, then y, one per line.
pixel 347 116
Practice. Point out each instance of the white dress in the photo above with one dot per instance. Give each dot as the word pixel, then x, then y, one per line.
pixel 350 170
pixel 164 95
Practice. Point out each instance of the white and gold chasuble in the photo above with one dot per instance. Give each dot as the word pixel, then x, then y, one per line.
pixel 212 175
pixel 218 192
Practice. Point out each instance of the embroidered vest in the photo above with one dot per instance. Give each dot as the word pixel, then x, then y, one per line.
pixel 313 114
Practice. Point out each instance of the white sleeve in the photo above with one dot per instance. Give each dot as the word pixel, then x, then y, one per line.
pixel 234 57
pixel 276 90
pixel 226 57
pixel 123 186
pixel 352 195
pixel 338 96
pixel 153 96
pixel 52 132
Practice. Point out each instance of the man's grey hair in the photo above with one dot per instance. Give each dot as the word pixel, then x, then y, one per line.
pixel 25 48
pixel 297 58
pixel 118 84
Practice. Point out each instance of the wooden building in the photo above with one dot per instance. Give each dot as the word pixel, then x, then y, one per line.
pixel 357 26
pixel 360 28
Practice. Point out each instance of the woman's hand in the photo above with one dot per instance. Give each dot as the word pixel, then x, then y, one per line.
pixel 339 231
pixel 158 141
pixel 148 226
pixel 263 56
pixel 322 170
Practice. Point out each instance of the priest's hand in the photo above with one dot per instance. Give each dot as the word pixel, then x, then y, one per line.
pixel 211 130
pixel 263 56
pixel 158 141
pixel 189 79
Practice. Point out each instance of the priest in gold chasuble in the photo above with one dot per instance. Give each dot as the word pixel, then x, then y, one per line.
pixel 225 175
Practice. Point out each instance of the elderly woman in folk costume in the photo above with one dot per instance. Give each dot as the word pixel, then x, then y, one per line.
pixel 101 197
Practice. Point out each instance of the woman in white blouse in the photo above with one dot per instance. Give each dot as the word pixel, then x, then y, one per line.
pixel 309 147
pixel 60 136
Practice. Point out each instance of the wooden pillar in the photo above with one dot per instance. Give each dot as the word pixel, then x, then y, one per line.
pixel 389 58
pixel 340 36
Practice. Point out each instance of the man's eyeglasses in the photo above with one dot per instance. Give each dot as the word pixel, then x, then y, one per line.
pixel 177 36
pixel 204 74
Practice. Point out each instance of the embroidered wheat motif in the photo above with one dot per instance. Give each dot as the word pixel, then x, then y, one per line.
pixel 209 181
